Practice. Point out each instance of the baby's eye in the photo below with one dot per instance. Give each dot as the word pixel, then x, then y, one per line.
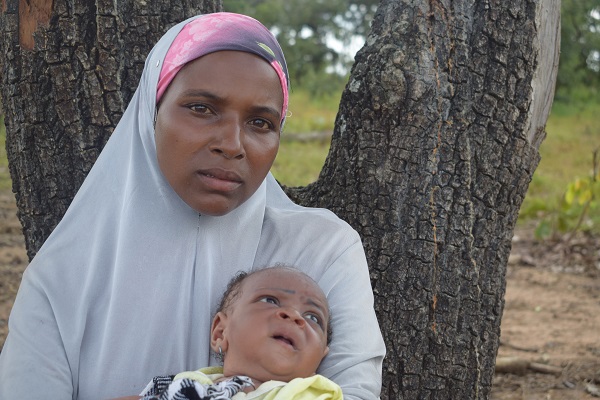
pixel 315 318
pixel 269 299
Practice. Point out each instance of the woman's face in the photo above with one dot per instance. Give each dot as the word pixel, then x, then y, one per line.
pixel 217 129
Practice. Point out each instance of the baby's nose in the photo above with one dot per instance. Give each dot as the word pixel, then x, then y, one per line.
pixel 292 314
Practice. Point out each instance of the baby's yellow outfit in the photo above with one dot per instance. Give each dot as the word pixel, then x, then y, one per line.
pixel 316 387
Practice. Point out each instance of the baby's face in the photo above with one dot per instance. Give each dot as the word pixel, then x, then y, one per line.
pixel 277 328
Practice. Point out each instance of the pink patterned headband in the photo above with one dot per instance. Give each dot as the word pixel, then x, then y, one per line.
pixel 223 31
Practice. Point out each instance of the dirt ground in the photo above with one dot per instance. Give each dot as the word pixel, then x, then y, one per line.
pixel 552 313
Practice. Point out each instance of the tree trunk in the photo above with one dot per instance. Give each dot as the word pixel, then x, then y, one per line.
pixel 434 147
pixel 70 68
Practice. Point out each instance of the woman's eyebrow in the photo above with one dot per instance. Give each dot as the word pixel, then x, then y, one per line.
pixel 267 110
pixel 215 97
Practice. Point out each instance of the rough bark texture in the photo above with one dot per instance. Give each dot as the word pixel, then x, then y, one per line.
pixel 69 69
pixel 434 147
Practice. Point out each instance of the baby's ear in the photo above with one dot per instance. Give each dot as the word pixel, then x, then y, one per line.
pixel 326 351
pixel 218 337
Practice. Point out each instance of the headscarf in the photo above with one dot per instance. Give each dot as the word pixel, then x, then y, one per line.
pixel 223 31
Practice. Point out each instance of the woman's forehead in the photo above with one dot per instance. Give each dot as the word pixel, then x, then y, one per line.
pixel 229 77
pixel 223 31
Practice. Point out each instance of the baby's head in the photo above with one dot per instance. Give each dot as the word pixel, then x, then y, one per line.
pixel 272 324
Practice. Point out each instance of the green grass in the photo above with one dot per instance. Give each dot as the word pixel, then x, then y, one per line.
pixel 299 163
pixel 310 114
pixel 573 133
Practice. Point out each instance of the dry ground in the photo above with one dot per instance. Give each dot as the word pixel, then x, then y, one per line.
pixel 552 313
pixel 552 317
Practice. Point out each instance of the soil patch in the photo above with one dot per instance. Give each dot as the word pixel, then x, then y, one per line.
pixel 552 317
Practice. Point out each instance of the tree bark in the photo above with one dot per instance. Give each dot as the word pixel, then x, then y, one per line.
pixel 69 70
pixel 435 144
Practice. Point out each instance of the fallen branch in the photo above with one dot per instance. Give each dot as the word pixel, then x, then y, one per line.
pixel 592 389
pixel 519 366
pixel 515 347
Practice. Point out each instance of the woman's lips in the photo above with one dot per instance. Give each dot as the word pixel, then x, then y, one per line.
pixel 220 180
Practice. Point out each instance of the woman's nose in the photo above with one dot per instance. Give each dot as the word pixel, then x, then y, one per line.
pixel 291 314
pixel 229 141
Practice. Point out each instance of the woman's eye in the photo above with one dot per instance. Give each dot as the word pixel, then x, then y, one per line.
pixel 261 123
pixel 199 108
pixel 269 299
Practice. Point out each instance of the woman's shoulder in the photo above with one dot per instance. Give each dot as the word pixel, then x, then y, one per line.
pixel 311 239
pixel 318 220
pixel 281 212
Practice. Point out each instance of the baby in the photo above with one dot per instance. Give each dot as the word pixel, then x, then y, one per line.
pixel 272 330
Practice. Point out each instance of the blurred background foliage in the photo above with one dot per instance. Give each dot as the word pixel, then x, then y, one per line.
pixel 319 39
pixel 312 34
pixel 579 66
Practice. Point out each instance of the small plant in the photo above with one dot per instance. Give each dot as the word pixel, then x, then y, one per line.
pixel 579 208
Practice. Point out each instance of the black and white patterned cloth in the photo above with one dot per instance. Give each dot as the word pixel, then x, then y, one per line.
pixel 168 388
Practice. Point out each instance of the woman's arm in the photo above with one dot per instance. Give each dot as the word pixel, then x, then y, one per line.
pixel 357 350
pixel 33 362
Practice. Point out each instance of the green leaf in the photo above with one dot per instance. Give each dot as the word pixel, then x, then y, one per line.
pixel 543 229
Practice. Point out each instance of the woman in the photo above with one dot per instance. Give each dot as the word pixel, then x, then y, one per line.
pixel 178 201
